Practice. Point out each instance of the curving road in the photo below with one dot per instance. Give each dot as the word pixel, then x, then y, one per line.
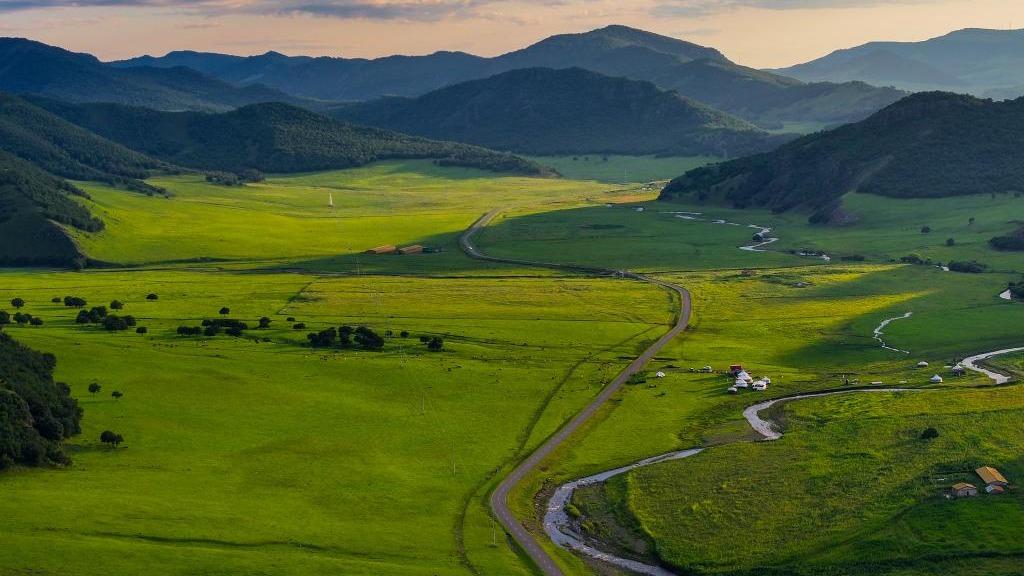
pixel 499 498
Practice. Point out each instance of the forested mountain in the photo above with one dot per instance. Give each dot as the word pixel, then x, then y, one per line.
pixel 568 111
pixel 28 67
pixel 31 201
pixel 271 137
pixel 36 413
pixel 982 62
pixel 695 71
pixel 63 149
pixel 927 145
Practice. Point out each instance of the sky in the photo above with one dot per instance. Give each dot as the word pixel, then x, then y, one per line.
pixel 759 33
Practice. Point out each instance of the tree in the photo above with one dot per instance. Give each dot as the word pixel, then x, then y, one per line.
pixel 115 323
pixel 55 299
pixel 141 330
pixel 21 318
pixel 290 319
pixel 404 334
pixel 211 330
pixel 95 387
pixel 235 331
pixel 17 302
pixel 950 242
pixel 225 311
pixel 83 317
pixel 926 229
pixel 299 326
pixel 5 318
pixel 368 339
pixel 116 394
pixel 152 296
pixel 74 302
pixel 264 322
pixel 436 344
pixel 35 321
pixel 116 305
pixel 929 433
pixel 189 330
pixel 112 438
pixel 323 339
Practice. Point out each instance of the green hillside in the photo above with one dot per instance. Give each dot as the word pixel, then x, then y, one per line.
pixel 916 148
pixel 271 137
pixel 66 150
pixel 32 203
pixel 573 111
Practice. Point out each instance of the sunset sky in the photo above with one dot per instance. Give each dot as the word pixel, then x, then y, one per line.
pixel 760 33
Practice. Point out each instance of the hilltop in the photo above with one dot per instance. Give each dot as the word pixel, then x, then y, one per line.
pixel 569 111
pixel 916 148
pixel 29 67
pixel 982 62
pixel 271 137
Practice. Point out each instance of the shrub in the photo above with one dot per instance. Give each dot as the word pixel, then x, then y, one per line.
pixel 189 330
pixel 424 339
pixel 972 267
pixel 116 394
pixel 94 387
pixel 290 319
pixel 36 321
pixel 929 433
pixel 74 302
pixel 225 311
pixel 299 326
pixel 111 438
pixel 233 331
pixel 115 323
pixel 926 229
pixel 152 296
pixel 5 318
pixel 950 242
pixel 264 322
pixel 853 258
pixel 435 345
pixel 55 299
pixel 912 259
pixel 116 305
pixel 404 334
pixel 141 330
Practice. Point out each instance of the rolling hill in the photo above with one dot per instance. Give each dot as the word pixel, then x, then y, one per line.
pixel 930 144
pixel 570 111
pixel 272 137
pixel 694 71
pixel 982 62
pixel 28 67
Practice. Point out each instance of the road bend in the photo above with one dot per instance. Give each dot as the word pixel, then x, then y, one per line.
pixel 499 498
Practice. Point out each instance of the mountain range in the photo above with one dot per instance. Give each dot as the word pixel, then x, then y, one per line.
pixel 930 144
pixel 987 63
pixel 544 111
pixel 694 71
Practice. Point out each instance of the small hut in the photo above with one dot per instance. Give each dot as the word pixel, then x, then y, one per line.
pixel 964 490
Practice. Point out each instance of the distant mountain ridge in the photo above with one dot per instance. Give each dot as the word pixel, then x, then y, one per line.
pixel 697 72
pixel 270 137
pixel 982 62
pixel 543 111
pixel 29 67
pixel 914 148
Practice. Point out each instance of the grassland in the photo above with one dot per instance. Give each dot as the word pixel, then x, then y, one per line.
pixel 248 455
pixel 244 455
pixel 622 169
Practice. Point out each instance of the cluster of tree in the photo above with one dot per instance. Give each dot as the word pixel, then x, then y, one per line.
pixel 74 302
pixel 189 330
pixel 232 179
pixel 19 318
pixel 911 149
pixel 36 413
pixel 271 137
pixel 1013 242
pixel 346 337
pixel 231 327
pixel 971 267
pixel 434 343
pixel 111 322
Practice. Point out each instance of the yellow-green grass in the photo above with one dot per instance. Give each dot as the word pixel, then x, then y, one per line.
pixel 243 456
pixel 805 338
pixel 618 169
pixel 851 486
pixel 287 221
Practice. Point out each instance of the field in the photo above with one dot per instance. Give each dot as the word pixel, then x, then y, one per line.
pixel 260 454
pixel 622 169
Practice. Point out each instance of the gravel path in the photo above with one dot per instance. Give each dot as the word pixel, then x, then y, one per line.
pixel 971 363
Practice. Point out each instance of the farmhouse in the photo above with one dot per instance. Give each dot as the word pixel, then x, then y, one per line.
pixel 964 490
pixel 991 476
pixel 414 249
pixel 385 249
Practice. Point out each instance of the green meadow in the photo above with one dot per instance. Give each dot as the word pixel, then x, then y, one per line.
pixel 260 454
pixel 620 169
